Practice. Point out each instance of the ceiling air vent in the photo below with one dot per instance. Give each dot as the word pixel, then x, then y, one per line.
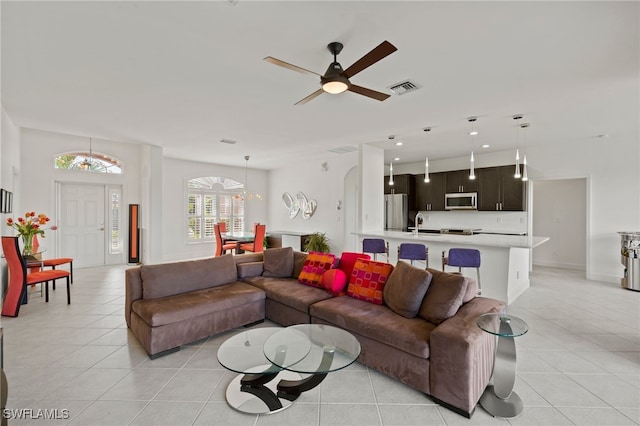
pixel 343 149
pixel 404 87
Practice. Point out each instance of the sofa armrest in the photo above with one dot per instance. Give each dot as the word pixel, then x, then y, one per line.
pixel 462 356
pixel 133 291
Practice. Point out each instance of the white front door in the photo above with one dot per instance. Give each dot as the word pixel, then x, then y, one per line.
pixel 82 224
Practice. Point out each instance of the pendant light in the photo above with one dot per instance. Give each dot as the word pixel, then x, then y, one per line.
pixel 88 162
pixel 246 195
pixel 426 162
pixel 517 174
pixel 391 174
pixel 525 176
pixel 472 133
pixel 426 170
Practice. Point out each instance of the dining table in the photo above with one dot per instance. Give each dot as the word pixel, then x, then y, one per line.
pixel 239 237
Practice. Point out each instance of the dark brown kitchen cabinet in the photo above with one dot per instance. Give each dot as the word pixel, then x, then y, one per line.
pixel 402 184
pixel 458 181
pixel 499 190
pixel 430 195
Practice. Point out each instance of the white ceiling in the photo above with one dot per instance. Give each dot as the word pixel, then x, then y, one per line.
pixel 184 75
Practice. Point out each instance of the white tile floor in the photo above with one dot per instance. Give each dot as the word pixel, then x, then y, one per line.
pixel 579 364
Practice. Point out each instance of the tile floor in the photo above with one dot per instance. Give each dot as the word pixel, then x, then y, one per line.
pixel 579 364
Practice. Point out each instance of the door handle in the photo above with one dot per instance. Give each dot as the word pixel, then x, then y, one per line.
pixel 100 229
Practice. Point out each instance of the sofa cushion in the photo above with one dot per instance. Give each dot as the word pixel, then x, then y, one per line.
pixel 298 262
pixel 444 297
pixel 249 269
pixel 278 262
pixel 314 266
pixel 376 322
pixel 288 291
pixel 368 279
pixel 168 279
pixel 334 281
pixel 180 307
pixel 348 261
pixel 472 285
pixel 405 289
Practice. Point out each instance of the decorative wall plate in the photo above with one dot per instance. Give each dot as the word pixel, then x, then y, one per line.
pixel 291 205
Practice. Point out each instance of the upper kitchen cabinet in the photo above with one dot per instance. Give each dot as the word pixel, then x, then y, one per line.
pixel 458 181
pixel 430 195
pixel 499 190
pixel 402 184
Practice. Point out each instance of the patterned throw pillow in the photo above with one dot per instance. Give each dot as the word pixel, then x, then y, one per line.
pixel 368 279
pixel 314 266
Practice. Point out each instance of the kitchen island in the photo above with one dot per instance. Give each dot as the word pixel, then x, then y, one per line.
pixel 504 271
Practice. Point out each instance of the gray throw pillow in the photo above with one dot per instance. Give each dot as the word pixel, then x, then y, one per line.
pixel 405 289
pixel 278 262
pixel 444 296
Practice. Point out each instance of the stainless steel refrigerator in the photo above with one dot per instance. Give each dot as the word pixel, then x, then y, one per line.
pixel 396 212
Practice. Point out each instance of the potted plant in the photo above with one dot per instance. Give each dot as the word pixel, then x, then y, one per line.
pixel 318 241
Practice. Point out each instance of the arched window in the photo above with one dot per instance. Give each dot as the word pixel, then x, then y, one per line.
pixel 85 161
pixel 211 200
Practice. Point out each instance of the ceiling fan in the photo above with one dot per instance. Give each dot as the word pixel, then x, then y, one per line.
pixel 336 80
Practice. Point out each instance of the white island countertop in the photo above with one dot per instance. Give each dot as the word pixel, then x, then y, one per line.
pixel 489 240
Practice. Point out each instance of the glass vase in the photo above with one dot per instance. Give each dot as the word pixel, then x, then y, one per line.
pixel 27 245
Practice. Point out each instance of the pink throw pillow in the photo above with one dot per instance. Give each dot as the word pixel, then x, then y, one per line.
pixel 348 260
pixel 334 281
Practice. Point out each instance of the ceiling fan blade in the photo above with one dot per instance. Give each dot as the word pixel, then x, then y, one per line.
pixel 310 97
pixel 289 66
pixel 383 50
pixel 368 92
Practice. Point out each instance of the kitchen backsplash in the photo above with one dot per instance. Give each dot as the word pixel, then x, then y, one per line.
pixel 500 222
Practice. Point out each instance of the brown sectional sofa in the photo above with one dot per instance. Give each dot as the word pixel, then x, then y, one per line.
pixel 452 361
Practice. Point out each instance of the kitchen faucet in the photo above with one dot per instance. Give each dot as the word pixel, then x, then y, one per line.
pixel 416 223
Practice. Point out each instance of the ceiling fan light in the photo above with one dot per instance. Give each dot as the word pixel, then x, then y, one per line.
pixel 335 86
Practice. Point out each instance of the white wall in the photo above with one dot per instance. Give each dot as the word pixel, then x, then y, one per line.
pixel 174 177
pixel 560 213
pixel 326 187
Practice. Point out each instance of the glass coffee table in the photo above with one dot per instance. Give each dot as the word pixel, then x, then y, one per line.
pixel 261 355
pixel 500 400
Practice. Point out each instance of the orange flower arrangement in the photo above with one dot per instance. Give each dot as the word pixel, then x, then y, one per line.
pixel 29 226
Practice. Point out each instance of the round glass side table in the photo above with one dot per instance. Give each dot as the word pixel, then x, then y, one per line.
pixel 500 400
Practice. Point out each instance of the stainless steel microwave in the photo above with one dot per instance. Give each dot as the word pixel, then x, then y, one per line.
pixel 461 201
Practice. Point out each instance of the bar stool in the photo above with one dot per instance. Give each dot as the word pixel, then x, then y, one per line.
pixel 414 251
pixel 463 258
pixel 375 246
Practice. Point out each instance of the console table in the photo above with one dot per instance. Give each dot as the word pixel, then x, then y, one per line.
pixel 500 400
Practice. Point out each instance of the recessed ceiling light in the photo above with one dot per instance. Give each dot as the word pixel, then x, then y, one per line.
pixel 486 145
pixel 399 143
pixel 396 159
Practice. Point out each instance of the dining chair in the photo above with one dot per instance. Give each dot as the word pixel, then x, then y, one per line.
pixel 53 262
pixel 221 247
pixel 463 258
pixel 19 279
pixel 258 241
pixel 375 246
pixel 414 251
